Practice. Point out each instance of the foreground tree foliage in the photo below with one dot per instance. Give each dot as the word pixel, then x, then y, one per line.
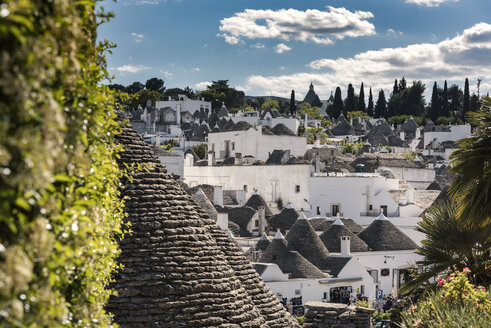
pixel 449 246
pixel 471 165
pixel 59 203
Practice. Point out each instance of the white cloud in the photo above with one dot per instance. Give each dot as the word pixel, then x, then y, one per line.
pixel 137 37
pixel 391 31
pixel 195 69
pixel 166 74
pixel 465 55
pixel 429 3
pixel 257 45
pixel 202 85
pixel 311 25
pixel 281 48
pixel 141 2
pixel 229 38
pixel 131 68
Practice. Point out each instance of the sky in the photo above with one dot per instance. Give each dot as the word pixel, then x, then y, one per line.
pixel 272 47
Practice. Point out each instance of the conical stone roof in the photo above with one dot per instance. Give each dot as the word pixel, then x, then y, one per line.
pixel 255 201
pixel 283 220
pixel 263 242
pixel 382 235
pixel 200 198
pixel 332 238
pixel 303 238
pixel 176 271
pixel 290 261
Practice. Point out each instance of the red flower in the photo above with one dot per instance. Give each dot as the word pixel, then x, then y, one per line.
pixel 441 282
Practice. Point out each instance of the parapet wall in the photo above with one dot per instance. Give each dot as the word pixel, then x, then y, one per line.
pixel 334 315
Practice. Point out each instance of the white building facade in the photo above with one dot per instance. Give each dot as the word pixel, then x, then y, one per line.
pixel 253 142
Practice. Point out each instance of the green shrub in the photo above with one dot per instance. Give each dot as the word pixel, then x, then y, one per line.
pixel 352 147
pixel 364 303
pixel 301 320
pixel 201 150
pixel 60 212
pixel 457 303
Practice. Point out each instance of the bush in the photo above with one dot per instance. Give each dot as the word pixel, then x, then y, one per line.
pixel 457 303
pixel 60 212
pixel 352 147
pixel 201 150
pixel 300 320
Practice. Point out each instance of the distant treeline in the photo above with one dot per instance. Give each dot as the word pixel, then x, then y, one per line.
pixel 405 100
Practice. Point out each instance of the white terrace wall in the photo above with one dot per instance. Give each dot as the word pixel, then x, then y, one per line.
pixel 418 178
pixel 354 193
pixel 272 182
pixel 456 132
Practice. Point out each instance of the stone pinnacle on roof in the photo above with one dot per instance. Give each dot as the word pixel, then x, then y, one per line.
pixel 230 235
pixel 338 221
pixel 278 235
pixel 381 216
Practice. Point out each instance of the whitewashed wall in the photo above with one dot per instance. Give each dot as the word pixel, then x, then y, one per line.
pixel 354 194
pixel 271 181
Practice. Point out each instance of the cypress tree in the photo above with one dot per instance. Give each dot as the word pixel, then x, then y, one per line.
pixel 370 103
pixel 381 106
pixel 467 99
pixel 435 104
pixel 361 99
pixel 350 99
pixel 474 103
pixel 402 84
pixel 444 105
pixel 338 103
pixel 293 107
pixel 395 89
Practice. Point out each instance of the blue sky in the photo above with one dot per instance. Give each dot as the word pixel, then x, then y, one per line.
pixel 271 47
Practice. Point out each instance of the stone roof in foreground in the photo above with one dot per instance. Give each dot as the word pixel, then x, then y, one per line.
pixel 180 268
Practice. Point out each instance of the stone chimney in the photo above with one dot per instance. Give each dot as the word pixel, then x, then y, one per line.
pixel 317 162
pixel 410 196
pixel 211 158
pixel 402 135
pixel 262 219
pixel 238 159
pixel 218 196
pixel 345 246
pixel 222 220
pixel 178 114
pixel 189 160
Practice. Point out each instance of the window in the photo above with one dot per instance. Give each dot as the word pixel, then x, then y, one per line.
pixel 256 223
pixel 233 145
pixel 362 289
pixel 245 188
pixel 324 295
pixel 374 274
pixel 383 209
pixel 274 258
pixel 318 210
pixel 370 207
pixel 213 147
pixel 297 188
pixel 297 291
pixel 335 209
